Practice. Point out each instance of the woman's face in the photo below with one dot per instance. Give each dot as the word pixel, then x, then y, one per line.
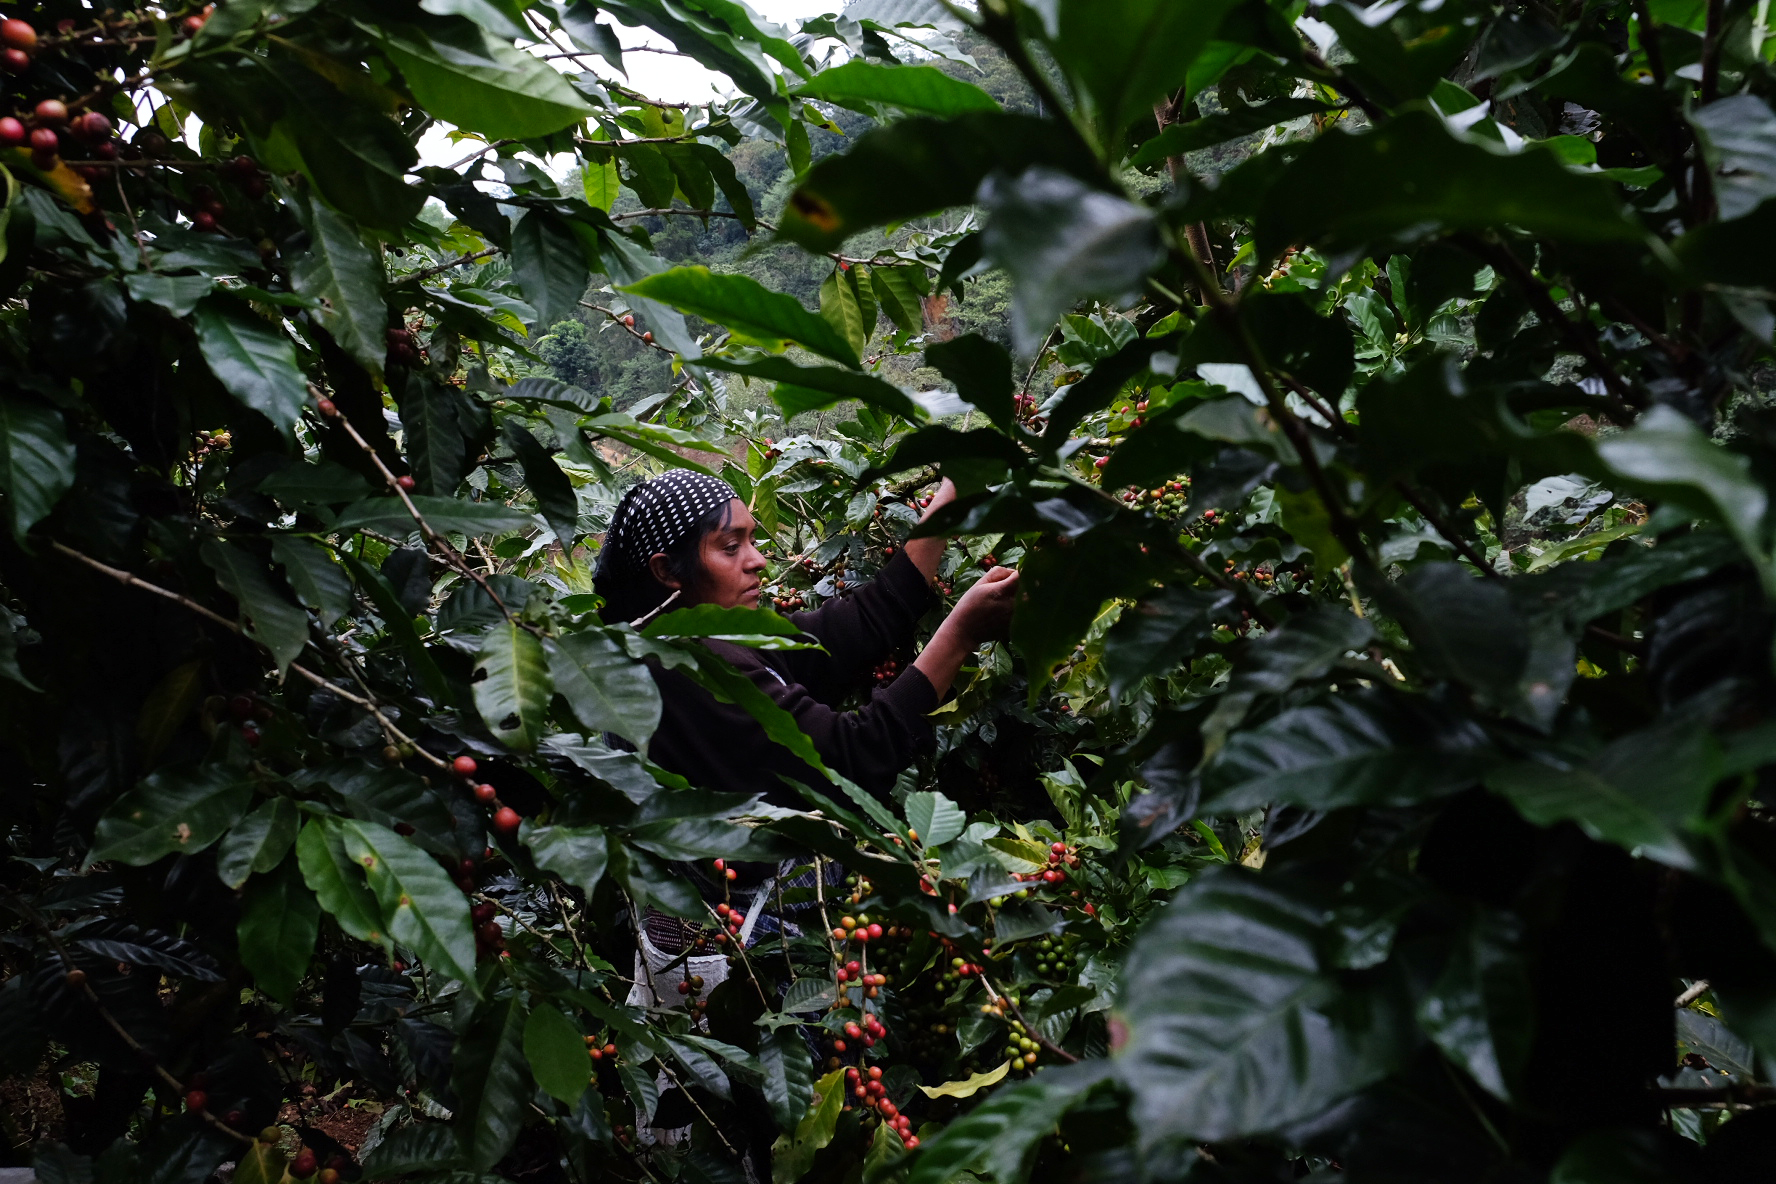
pixel 731 564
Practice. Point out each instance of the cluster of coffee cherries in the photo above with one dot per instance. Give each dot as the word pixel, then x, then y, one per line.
pixel 209 442
pixel 249 713
pixel 789 601
pixel 1020 1049
pixel 505 819
pixel 1025 408
pixel 869 1091
pixel 52 132
pixel 1055 959
pixel 860 930
pixel 1166 500
pixel 1060 858
pixel 403 347
pixel 853 973
pixel 886 671
pixel 197 1100
pixel 855 1036
pixel 600 1049
pixel 1264 577
pixel 770 451
pixel 692 989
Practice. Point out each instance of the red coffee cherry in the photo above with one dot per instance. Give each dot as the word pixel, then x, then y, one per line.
pixel 506 820
pixel 464 766
pixel 52 113
pixel 17 34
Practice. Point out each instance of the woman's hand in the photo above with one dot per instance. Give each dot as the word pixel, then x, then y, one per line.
pixel 984 611
pixel 983 614
pixel 927 553
pixel 945 494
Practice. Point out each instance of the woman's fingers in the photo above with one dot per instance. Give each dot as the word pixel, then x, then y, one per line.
pixel 945 494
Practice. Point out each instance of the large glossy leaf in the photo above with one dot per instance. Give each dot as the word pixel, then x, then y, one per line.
pixel 1160 631
pixel 36 461
pixel 346 277
pixel 606 689
pixel 344 139
pixel 254 361
pixel 999 1135
pixel 1210 130
pixel 980 370
pixel 437 436
pixel 1479 1009
pixel 860 82
pixel 386 515
pixel 1374 749
pixel 421 908
pixel 1305 647
pixel 512 686
pixel 120 941
pixel 1667 456
pixel 258 842
pixel 1739 135
pixel 1411 176
pixel 489 1078
pixel 757 627
pixel 271 618
pixel 548 484
pixel 464 75
pixel 1062 240
pixel 338 883
pixel 550 266
pixel 1064 583
pixel 280 919
pixel 180 809
pixel 1236 1025
pixel 935 817
pixel 789 1076
pixel 556 1051
pixel 317 579
pixel 578 854
pixel 919 166
pixel 811 388
pixel 794 1152
pixel 1638 792
pixel 747 307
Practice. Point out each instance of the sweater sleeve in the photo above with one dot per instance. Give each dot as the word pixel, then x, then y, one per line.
pixel 719 746
pixel 859 630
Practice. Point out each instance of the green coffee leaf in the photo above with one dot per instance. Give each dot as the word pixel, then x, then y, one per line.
pixel 1227 985
pixel 859 83
pixel 180 809
pixel 556 1050
pixel 464 75
pixel 606 690
pixel 578 854
pixel 1000 1135
pixel 271 618
pixel 254 361
pixel 258 842
pixel 550 266
pixel 512 685
pixel 748 308
pixel 280 919
pixel 446 515
pixel 346 277
pixel 36 461
pixel 421 907
pixel 489 1077
pixel 935 817
pixel 337 882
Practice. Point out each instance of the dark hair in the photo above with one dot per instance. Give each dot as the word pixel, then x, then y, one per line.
pixel 632 594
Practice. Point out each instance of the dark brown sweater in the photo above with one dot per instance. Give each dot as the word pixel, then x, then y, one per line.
pixel 719 746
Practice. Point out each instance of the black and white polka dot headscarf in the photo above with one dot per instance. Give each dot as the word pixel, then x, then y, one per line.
pixel 657 514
